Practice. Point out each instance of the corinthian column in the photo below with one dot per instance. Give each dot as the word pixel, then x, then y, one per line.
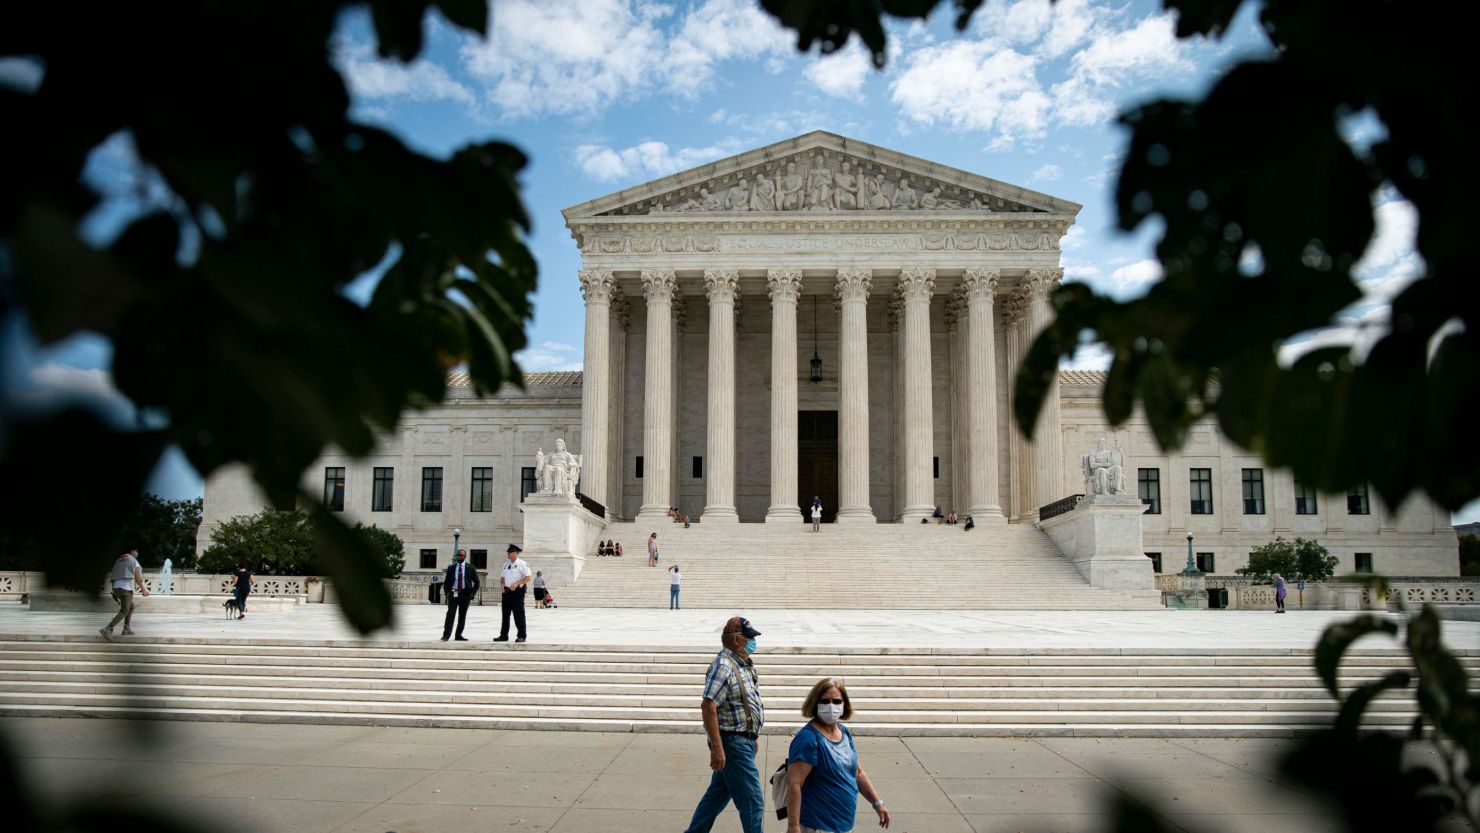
pixel 719 479
pixel 853 497
pixel 915 287
pixel 981 367
pixel 1048 478
pixel 596 287
pixel 657 415
pixel 784 286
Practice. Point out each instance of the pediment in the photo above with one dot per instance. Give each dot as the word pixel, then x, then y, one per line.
pixel 819 173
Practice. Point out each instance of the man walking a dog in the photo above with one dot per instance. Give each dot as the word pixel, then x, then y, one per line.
pixel 126 577
pixel 461 584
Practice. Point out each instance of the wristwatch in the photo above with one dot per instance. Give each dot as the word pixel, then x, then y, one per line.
pixel 877 804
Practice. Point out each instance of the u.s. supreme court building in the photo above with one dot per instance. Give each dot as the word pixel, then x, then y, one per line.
pixel 824 317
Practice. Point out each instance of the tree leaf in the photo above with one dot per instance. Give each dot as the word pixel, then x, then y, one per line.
pixel 1355 705
pixel 1337 638
pixel 350 562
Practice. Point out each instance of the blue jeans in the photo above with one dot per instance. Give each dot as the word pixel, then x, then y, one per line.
pixel 673 597
pixel 739 780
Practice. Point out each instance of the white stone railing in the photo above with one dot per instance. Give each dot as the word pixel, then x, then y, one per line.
pixel 14 585
pixel 1245 594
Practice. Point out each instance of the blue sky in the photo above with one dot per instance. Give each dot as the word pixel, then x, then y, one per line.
pixel 605 94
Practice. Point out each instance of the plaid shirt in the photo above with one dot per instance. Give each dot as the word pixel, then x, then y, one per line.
pixel 723 688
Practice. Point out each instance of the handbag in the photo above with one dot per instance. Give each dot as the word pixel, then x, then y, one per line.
pixel 778 791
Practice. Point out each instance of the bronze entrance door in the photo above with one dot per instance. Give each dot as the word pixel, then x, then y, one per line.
pixel 817 462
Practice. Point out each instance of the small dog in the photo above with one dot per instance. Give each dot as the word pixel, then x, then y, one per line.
pixel 233 607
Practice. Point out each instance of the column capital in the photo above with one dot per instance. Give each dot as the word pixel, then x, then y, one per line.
pixel 721 284
pixel 916 284
pixel 658 284
pixel 1039 282
pixel 980 284
pixel 853 284
pixel 597 285
pixel 783 284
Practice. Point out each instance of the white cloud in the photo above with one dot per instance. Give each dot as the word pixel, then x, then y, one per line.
pixel 1114 58
pixel 841 74
pixel 549 355
pixel 981 86
pixel 1135 276
pixel 371 78
pixel 1080 273
pixel 1047 173
pixel 582 57
pixel 1095 356
pixel 646 159
pixel 1074 238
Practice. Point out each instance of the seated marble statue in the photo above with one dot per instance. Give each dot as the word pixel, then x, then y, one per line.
pixel 1104 472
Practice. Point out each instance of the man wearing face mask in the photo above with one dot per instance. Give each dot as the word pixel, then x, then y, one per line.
pixel 461 584
pixel 733 716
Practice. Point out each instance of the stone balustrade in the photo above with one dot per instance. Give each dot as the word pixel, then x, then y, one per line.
pixel 1246 594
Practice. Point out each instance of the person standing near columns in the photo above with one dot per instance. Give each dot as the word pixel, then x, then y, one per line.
pixel 597 287
pixel 657 429
pixel 1048 478
pixel 916 287
pixel 720 286
pixel 981 369
pixel 784 287
pixel 461 585
pixel 852 288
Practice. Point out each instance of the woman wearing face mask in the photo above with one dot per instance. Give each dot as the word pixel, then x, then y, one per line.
pixel 822 770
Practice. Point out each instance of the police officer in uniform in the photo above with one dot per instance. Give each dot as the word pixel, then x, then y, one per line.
pixel 514 579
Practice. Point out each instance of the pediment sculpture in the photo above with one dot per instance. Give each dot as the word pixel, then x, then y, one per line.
pixel 820 181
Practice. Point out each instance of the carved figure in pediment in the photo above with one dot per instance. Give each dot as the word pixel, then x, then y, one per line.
pixel 789 196
pixel 712 202
pixel 877 199
pixel 736 199
pixel 819 190
pixel 905 197
pixel 845 185
pixel 930 200
pixel 763 197
pixel 937 201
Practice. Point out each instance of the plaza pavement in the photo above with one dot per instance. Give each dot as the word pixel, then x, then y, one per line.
pixel 366 779
pixel 901 630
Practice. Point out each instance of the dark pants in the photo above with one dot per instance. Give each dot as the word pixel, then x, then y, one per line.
pixel 513 603
pixel 241 598
pixel 1279 601
pixel 456 607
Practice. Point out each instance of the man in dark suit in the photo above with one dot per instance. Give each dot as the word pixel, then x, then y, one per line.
pixel 460 584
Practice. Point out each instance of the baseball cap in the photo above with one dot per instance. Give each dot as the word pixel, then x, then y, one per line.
pixel 741 624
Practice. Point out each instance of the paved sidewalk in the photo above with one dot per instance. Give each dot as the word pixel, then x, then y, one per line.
pixel 865 629
pixel 317 779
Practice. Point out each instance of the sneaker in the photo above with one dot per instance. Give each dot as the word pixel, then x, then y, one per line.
pixel 520 639
pixel 445 638
pixel 106 633
pixel 500 639
pixel 127 632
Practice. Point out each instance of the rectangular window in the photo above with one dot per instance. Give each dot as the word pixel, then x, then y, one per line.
pixel 527 484
pixel 431 489
pixel 1305 499
pixel 334 488
pixel 480 559
pixel 1201 482
pixel 698 468
pixel 1357 502
pixel 1155 559
pixel 1205 562
pixel 1253 491
pixel 936 464
pixel 639 468
pixel 482 490
pixel 429 559
pixel 380 496
pixel 1148 485
pixel 1364 562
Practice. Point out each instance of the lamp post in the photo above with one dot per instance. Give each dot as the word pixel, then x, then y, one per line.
pixel 1191 561
pixel 457 534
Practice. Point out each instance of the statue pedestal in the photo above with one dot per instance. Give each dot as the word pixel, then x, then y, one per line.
pixel 558 534
pixel 1102 536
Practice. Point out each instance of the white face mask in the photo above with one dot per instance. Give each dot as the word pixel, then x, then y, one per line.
pixel 829 713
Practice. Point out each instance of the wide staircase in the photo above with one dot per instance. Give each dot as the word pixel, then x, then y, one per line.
pixel 1080 692
pixel 881 566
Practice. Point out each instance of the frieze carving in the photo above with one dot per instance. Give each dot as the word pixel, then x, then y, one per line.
pixel 821 180
pixel 845 242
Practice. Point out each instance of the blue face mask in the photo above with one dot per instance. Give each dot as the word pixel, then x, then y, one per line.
pixel 750 646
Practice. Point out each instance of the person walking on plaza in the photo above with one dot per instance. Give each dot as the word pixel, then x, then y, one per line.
pixel 245 581
pixel 674 583
pixel 540 589
pixel 823 775
pixel 123 579
pixel 515 577
pixel 461 583
pixel 733 715
pixel 653 550
pixel 817 515
pixel 1279 593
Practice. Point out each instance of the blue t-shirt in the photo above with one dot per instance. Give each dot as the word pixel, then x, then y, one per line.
pixel 830 793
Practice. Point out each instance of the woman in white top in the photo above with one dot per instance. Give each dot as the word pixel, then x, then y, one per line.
pixel 817 517
pixel 673 584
